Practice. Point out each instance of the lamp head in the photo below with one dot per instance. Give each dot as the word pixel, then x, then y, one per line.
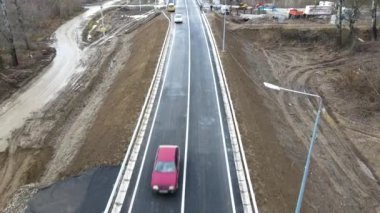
pixel 272 86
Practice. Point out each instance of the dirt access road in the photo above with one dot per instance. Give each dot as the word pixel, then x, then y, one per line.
pixel 276 126
pixel 91 120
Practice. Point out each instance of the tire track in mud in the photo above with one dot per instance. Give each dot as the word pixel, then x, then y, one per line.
pixel 338 180
pixel 296 69
pixel 330 138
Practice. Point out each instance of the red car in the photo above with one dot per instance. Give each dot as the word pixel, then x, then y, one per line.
pixel 166 169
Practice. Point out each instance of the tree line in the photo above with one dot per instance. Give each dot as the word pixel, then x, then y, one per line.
pixel 353 14
pixel 22 21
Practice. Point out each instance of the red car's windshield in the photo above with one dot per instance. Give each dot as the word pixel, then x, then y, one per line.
pixel 162 166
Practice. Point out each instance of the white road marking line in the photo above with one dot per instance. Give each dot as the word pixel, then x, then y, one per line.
pixel 187 117
pixel 220 121
pixel 153 124
pixel 234 130
pixel 122 182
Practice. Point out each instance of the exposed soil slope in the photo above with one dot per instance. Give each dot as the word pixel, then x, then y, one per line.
pixel 276 126
pixel 73 133
pixel 107 140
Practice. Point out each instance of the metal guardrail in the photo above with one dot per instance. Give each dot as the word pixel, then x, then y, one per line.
pixel 245 184
pixel 144 115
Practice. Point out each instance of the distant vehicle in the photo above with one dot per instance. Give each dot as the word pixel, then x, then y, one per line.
pixel 294 13
pixel 166 169
pixel 206 6
pixel 263 6
pixel 171 7
pixel 243 6
pixel 310 11
pixel 317 10
pixel 325 8
pixel 216 6
pixel 327 3
pixel 258 5
pixel 225 9
pixel 178 18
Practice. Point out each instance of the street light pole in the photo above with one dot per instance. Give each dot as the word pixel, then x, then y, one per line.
pixel 224 24
pixel 312 140
pixel 306 171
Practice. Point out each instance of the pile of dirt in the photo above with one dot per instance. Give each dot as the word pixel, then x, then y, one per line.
pixel 276 126
pixel 113 19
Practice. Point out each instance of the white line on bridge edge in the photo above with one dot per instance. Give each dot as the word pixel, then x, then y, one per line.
pixel 220 119
pixel 122 181
pixel 151 130
pixel 237 146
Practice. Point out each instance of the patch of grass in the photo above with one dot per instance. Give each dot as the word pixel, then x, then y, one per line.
pixel 88 27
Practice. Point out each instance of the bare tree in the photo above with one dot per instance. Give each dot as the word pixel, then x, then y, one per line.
pixel 352 14
pixel 1 62
pixel 20 19
pixel 374 29
pixel 339 25
pixel 8 34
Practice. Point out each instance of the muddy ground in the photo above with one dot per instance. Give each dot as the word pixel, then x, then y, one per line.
pixel 91 122
pixel 276 126
pixel 31 64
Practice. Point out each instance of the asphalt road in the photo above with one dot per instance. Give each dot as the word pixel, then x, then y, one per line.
pixel 188 112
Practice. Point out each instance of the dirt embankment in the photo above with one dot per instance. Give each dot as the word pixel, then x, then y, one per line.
pixel 276 126
pixel 107 139
pixel 74 132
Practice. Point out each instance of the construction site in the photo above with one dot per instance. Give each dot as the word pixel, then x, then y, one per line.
pixel 89 118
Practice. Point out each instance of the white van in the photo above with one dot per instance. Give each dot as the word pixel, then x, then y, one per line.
pixel 225 9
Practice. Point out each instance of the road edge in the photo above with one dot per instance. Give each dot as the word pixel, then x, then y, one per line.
pixel 121 185
pixel 245 184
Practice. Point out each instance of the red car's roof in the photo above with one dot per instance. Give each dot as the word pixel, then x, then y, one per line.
pixel 166 153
